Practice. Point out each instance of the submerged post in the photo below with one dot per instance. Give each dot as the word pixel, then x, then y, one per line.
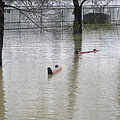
pixel 1 28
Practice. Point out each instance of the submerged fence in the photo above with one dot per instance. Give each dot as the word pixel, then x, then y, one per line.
pixel 53 16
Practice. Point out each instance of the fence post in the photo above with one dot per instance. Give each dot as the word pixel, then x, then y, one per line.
pixel 1 28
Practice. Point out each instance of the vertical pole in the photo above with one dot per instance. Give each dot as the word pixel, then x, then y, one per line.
pixel 1 28
pixel 62 20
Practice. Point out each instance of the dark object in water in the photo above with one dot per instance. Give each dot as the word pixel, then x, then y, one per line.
pixel 56 66
pixel 49 70
pixel 56 70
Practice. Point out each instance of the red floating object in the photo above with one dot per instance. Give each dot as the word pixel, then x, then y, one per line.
pixel 93 51
pixel 56 70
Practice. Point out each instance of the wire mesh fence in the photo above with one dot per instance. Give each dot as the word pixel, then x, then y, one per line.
pixel 53 17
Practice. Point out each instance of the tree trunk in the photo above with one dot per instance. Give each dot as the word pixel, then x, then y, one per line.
pixel 78 16
pixel 1 28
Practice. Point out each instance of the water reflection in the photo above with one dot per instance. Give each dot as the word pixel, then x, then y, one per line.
pixel 118 92
pixel 77 41
pixel 118 98
pixel 85 89
pixel 73 74
pixel 2 101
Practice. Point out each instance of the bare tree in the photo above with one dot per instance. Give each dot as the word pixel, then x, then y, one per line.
pixel 78 11
pixel 78 15
pixel 37 11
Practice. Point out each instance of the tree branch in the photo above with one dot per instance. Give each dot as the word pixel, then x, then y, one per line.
pixel 76 3
pixel 82 3
pixel 23 14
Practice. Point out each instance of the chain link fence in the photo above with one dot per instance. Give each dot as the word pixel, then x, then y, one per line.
pixel 53 17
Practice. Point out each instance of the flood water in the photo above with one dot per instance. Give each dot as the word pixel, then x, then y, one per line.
pixel 87 88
